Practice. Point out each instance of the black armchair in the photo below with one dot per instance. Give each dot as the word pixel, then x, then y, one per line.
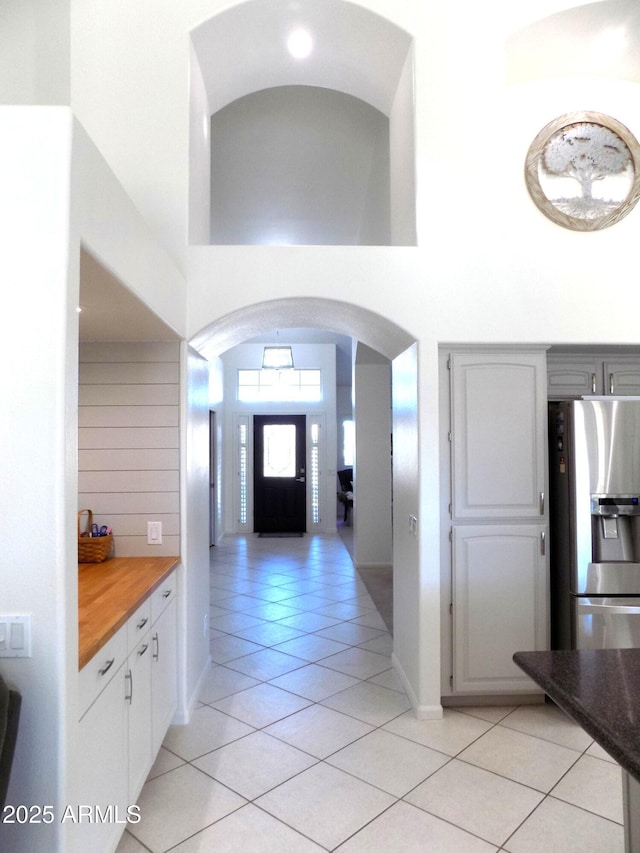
pixel 345 495
pixel 10 703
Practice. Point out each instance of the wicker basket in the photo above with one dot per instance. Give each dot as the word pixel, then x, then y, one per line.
pixel 92 549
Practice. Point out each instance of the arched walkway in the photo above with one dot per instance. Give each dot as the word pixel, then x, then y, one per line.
pixel 345 318
pixel 400 347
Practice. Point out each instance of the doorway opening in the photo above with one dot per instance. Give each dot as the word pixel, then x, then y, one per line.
pixel 256 322
pixel 279 474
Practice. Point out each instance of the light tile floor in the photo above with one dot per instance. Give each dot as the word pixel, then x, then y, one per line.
pixel 304 741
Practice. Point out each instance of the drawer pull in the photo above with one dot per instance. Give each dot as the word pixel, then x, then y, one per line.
pixel 105 669
pixel 141 624
pixel 156 641
pixel 166 593
pixel 143 650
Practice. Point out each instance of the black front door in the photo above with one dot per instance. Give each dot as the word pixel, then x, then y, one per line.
pixel 279 478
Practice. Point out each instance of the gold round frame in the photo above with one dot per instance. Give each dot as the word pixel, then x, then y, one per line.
pixel 582 151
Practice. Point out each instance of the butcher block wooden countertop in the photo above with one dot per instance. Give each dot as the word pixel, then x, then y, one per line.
pixel 109 592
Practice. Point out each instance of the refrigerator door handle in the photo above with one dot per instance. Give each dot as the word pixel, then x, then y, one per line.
pixel 610 609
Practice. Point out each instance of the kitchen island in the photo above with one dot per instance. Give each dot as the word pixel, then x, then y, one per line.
pixel 600 690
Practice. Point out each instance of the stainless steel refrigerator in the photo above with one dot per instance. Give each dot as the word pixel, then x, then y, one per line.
pixel 594 506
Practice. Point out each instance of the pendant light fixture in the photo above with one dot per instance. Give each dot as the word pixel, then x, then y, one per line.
pixel 277 357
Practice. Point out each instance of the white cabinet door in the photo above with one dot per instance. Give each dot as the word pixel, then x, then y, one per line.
pixel 572 378
pixel 499 592
pixel 101 772
pixel 138 697
pixel 622 378
pixel 163 674
pixel 498 423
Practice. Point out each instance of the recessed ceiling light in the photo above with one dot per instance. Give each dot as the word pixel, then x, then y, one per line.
pixel 300 43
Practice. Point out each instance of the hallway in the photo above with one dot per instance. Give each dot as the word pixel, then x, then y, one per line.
pixel 304 740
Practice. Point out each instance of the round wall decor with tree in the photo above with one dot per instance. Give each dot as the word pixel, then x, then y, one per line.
pixel 583 171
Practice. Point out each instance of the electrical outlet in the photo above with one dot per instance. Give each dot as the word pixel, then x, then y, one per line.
pixel 154 533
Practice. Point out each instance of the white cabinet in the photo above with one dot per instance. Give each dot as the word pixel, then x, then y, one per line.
pixel 138 700
pixel 499 593
pixel 622 377
pixel 163 673
pixel 127 698
pixel 498 419
pixel 573 376
pixel 495 569
pixel 98 782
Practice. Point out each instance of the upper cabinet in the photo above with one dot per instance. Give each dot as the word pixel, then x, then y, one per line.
pixel 498 421
pixel 574 376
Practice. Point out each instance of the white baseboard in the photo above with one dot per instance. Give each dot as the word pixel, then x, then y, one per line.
pixel 422 712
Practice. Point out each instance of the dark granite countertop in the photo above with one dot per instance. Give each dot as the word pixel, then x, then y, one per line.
pixel 600 690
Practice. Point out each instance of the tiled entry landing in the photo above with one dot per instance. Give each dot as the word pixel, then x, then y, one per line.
pixel 304 740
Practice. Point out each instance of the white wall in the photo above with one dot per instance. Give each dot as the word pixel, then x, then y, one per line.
pixel 373 539
pixel 34 52
pixel 129 442
pixel 402 158
pixel 193 627
pixel 37 434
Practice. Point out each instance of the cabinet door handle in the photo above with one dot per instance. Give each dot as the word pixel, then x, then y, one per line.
pixel 156 643
pixel 541 503
pixel 611 383
pixel 142 623
pixel 129 677
pixel 105 669
pixel 593 383
pixel 143 650
pixel 543 543
pixel 166 593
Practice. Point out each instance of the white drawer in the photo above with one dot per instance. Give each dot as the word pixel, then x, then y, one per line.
pixel 138 625
pixel 98 672
pixel 161 596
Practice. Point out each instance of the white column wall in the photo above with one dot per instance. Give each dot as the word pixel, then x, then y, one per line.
pixel 373 538
pixel 38 493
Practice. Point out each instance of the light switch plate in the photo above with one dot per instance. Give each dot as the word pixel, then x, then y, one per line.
pixel 15 635
pixel 154 533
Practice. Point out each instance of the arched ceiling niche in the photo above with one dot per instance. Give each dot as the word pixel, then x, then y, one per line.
pixel 594 40
pixel 355 51
pixel 261 319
